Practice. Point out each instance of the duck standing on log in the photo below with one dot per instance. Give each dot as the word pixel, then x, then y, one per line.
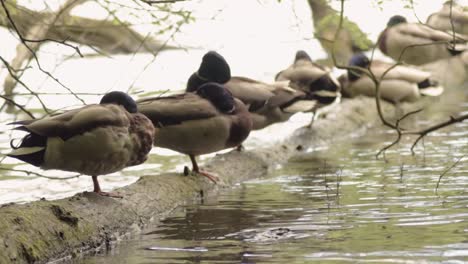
pixel 206 121
pixel 268 103
pixel 93 140
pixel 313 79
pixel 399 84
pixel 418 44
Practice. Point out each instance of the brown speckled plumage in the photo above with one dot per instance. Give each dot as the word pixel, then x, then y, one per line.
pixel 93 140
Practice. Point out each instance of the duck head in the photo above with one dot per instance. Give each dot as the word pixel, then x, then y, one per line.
pixel 302 55
pixel 395 20
pixel 220 97
pixel 358 60
pixel 120 98
pixel 213 68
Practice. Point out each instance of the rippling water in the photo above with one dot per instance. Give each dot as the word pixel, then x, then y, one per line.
pixel 334 204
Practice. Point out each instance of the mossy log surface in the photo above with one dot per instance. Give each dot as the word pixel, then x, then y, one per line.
pixel 46 230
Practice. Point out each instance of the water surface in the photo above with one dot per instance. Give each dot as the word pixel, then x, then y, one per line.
pixel 333 204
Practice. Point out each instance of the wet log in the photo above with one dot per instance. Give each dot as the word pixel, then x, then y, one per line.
pixel 41 231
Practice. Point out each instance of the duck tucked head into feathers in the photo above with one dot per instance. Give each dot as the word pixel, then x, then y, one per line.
pixel 120 98
pixel 358 60
pixel 218 96
pixel 302 55
pixel 400 83
pixel 267 103
pixel 313 79
pixel 395 20
pixel 198 123
pixel 213 68
pixel 417 43
pixel 93 140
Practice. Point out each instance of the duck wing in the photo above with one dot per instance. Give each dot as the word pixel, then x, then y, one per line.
pixel 425 34
pixel 251 92
pixel 399 72
pixel 76 121
pixel 172 110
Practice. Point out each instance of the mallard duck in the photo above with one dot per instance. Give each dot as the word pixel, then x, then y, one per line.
pixel 93 140
pixel 313 79
pixel 419 43
pixel 400 84
pixel 267 103
pixel 443 20
pixel 213 68
pixel 209 120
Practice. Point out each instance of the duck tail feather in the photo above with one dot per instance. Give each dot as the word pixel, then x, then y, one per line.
pixel 432 91
pixel 30 150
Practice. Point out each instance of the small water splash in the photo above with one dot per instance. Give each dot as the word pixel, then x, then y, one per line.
pixel 185 249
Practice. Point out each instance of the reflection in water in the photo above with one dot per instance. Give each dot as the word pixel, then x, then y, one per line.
pixel 335 204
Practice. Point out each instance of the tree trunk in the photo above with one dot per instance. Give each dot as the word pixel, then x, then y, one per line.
pixel 350 38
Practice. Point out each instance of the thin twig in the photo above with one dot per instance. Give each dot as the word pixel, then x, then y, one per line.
pixel 41 175
pixel 17 105
pixel 16 78
pixel 399 131
pixel 424 132
pixel 155 54
pixel 25 41
pixel 447 170
pixel 150 2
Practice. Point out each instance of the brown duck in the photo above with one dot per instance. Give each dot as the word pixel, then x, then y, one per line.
pixel 206 121
pixel 93 140
pixel 267 103
pixel 313 79
pixel 418 44
pixel 400 84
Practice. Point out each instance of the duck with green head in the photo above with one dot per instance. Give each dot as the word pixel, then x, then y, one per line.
pixel 418 44
pixel 206 121
pixel 399 84
pixel 93 140
pixel 268 103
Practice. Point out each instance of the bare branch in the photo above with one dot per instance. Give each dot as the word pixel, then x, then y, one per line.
pixel 25 41
pixel 424 132
pixel 155 54
pixel 150 2
pixel 398 129
pixel 16 78
pixel 41 175
pixel 17 105
pixel 447 170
